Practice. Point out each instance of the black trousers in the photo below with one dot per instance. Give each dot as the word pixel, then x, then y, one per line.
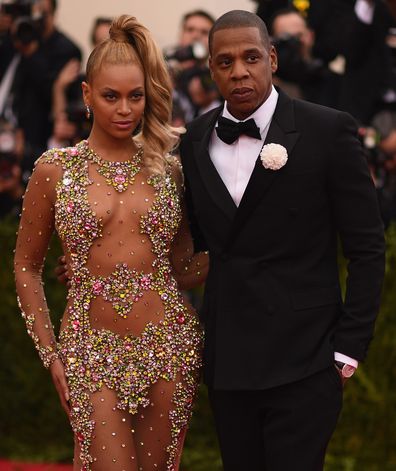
pixel 286 428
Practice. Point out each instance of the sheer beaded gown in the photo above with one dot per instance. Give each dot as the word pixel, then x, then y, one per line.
pixel 129 342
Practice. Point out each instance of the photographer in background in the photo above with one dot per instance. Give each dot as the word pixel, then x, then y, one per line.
pixel 324 18
pixel 203 91
pixel 55 45
pixel 100 30
pixel 70 122
pixel 11 189
pixel 23 73
pixel 11 140
pixel 7 50
pixel 186 61
pixel 299 73
pixel 367 80
pixel 42 50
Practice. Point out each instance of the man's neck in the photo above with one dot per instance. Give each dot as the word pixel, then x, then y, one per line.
pixel 49 30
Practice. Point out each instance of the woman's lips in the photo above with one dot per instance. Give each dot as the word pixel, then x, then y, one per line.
pixel 123 124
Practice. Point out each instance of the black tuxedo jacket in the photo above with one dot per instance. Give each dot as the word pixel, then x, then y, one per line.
pixel 272 308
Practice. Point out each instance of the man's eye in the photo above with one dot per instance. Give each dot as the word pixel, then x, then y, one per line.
pixel 225 62
pixel 252 58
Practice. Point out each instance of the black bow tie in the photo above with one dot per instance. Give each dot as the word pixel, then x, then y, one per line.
pixel 229 131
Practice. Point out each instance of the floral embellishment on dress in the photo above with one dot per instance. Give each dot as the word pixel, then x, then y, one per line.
pixel 273 156
pixel 123 288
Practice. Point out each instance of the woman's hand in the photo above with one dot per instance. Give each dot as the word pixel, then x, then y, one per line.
pixel 57 371
pixel 61 271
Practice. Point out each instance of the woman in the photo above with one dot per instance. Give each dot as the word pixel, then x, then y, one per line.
pixel 127 362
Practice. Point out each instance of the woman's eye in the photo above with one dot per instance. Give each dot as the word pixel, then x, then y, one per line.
pixel 137 96
pixel 110 97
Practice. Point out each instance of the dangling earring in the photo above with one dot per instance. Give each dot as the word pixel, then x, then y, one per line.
pixel 87 111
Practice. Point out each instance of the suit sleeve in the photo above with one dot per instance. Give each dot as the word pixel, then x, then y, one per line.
pixel 199 241
pixel 356 214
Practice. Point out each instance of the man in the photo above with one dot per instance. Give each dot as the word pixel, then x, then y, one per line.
pixel 44 51
pixel 194 29
pixel 357 32
pixel 317 12
pixel 300 74
pixel 55 45
pixel 195 26
pixel 280 342
pixel 367 81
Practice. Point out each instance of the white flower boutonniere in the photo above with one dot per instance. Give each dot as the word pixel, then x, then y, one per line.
pixel 273 156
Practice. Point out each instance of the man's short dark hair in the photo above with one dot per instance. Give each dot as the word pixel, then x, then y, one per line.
pixel 54 5
pixel 202 13
pixel 283 12
pixel 240 19
pixel 101 20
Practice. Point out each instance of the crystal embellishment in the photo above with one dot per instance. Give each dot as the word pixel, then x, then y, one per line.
pixel 117 174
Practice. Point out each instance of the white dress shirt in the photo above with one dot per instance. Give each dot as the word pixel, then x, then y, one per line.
pixel 7 81
pixel 235 162
pixel 364 10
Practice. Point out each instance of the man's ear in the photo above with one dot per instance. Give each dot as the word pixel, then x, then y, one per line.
pixel 273 56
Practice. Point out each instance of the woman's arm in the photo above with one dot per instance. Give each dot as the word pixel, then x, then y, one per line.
pixel 34 233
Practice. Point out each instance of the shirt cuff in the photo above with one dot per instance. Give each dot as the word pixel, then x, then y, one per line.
pixel 364 11
pixel 345 359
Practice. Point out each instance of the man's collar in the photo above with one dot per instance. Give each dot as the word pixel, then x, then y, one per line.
pixel 262 115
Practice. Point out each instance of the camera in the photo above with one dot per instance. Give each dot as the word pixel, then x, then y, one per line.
pixel 195 51
pixel 27 27
pixel 292 66
pixel 287 42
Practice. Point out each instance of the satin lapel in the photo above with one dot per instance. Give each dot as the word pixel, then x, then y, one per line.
pixel 209 175
pixel 281 131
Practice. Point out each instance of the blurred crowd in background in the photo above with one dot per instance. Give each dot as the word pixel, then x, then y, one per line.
pixel 338 53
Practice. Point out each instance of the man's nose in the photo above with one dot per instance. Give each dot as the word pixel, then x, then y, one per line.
pixel 239 70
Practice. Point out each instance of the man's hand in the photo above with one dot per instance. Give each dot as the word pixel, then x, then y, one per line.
pixel 343 380
pixel 57 371
pixel 61 271
pixel 68 74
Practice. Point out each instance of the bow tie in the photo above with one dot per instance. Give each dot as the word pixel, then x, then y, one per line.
pixel 229 131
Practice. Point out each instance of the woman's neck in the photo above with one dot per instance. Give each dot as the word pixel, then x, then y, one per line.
pixel 111 148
